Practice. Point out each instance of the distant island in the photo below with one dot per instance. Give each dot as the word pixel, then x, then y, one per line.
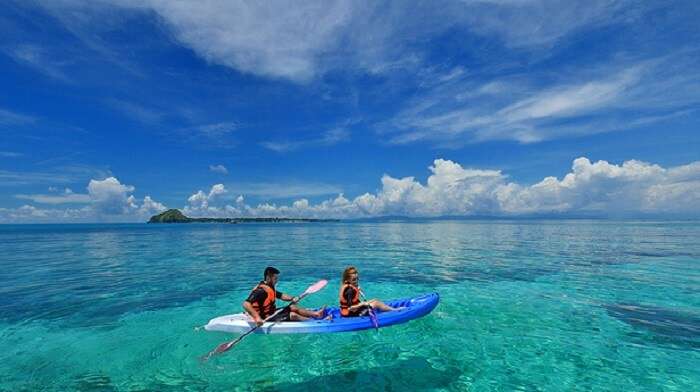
pixel 175 216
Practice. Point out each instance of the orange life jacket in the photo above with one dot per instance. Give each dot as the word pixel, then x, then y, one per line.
pixel 344 305
pixel 268 306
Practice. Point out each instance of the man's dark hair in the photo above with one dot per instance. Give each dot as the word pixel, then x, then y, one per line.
pixel 270 271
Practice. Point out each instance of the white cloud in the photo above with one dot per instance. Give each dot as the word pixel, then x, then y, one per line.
pixel 328 138
pixel 136 111
pixel 63 174
pixel 106 200
pixel 11 118
pixel 598 188
pixel 12 178
pixel 299 41
pixel 570 100
pixel 522 109
pixel 214 130
pixel 209 135
pixel 221 169
pixel 109 196
pixel 40 59
pixel 150 207
pixel 271 38
pixel 201 200
pixel 527 23
pixel 65 198
pixel 10 154
pixel 216 190
pixel 282 190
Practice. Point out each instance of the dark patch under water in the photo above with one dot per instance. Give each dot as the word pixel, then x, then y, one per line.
pixel 669 326
pixel 405 375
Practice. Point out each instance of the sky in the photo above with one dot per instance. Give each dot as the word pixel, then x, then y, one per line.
pixel 114 110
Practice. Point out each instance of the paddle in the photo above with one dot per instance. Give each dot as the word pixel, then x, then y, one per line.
pixel 372 315
pixel 223 347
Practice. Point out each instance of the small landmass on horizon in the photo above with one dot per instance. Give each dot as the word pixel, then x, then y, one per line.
pixel 176 216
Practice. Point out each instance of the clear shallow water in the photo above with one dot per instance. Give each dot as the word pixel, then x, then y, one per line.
pixel 525 305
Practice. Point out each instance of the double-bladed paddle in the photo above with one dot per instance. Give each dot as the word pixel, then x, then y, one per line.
pixel 223 347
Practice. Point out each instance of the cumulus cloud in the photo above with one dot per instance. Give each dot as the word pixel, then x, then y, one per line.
pixel 106 200
pixel 150 207
pixel 109 196
pixel 221 169
pixel 591 188
pixel 200 200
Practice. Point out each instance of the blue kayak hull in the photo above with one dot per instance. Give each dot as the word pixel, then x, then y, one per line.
pixel 410 309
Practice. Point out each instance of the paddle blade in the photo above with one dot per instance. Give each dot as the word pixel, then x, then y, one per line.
pixel 316 286
pixel 223 347
pixel 373 317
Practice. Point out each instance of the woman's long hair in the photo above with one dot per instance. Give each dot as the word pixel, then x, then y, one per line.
pixel 346 274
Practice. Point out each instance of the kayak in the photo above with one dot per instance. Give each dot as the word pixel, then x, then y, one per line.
pixel 410 309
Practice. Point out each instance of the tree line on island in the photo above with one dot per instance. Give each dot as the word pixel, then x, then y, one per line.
pixel 175 216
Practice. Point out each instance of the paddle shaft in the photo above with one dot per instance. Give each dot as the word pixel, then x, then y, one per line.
pixel 278 311
pixel 372 315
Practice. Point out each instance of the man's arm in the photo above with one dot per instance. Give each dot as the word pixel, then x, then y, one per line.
pixel 285 297
pixel 252 312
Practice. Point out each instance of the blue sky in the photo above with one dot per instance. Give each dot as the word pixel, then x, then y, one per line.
pixel 113 110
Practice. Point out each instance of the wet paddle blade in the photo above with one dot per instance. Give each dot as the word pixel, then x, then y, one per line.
pixel 223 347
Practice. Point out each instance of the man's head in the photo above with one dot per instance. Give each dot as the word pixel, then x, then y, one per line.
pixel 270 275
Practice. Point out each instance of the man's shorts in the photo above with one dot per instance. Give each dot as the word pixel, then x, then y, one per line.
pixel 284 315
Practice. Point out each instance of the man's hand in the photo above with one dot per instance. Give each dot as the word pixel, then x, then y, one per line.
pixel 259 321
pixel 295 299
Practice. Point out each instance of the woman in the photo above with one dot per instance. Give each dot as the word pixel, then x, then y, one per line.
pixel 350 304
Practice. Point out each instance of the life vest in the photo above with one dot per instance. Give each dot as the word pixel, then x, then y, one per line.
pixel 344 305
pixel 268 306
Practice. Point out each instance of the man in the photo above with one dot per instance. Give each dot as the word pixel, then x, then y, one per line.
pixel 261 302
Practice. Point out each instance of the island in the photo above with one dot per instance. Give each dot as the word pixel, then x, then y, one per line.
pixel 176 216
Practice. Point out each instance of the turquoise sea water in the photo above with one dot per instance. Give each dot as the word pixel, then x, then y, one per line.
pixel 525 305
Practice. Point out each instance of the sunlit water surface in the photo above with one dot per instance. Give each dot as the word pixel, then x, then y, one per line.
pixel 525 305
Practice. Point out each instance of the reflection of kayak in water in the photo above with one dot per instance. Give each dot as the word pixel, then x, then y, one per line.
pixel 410 308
